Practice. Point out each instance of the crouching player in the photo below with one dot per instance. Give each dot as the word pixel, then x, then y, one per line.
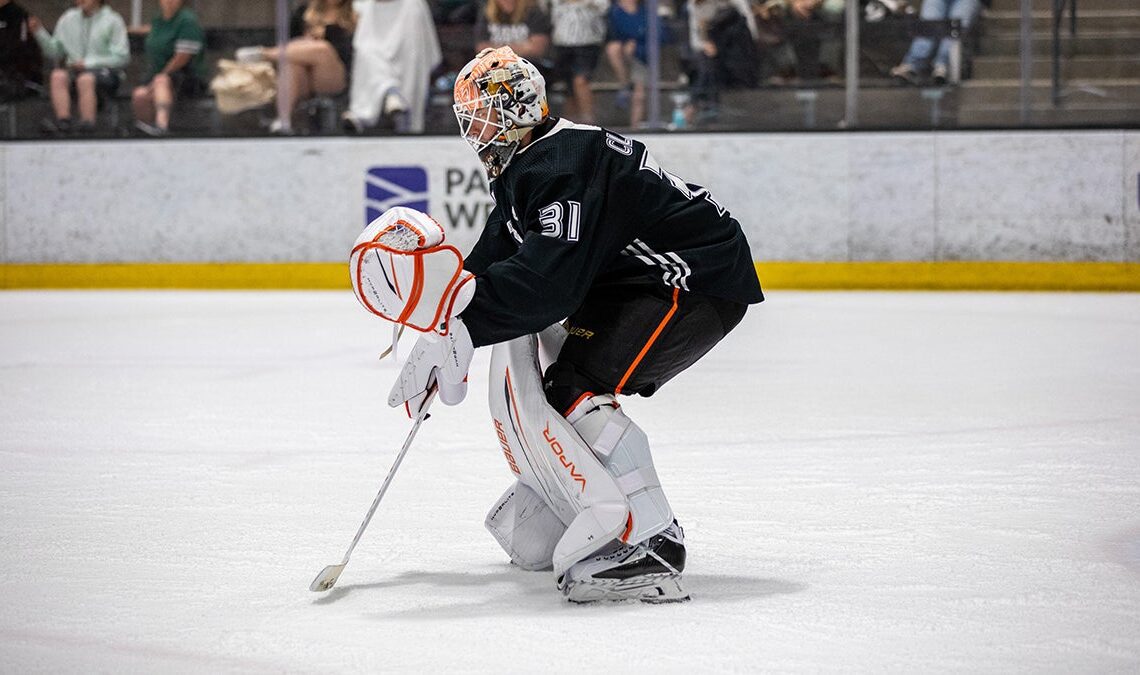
pixel 649 273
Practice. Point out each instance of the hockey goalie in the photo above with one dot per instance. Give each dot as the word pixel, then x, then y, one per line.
pixel 598 274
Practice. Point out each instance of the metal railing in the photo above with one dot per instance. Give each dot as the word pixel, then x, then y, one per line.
pixel 1058 17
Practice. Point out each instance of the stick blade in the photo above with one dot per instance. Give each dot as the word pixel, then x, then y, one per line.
pixel 326 579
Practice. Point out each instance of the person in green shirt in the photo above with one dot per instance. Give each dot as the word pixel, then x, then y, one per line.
pixel 175 54
pixel 90 49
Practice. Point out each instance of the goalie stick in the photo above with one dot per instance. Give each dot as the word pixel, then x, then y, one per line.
pixel 329 575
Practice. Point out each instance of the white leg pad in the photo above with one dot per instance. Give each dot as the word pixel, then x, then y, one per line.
pixel 623 448
pixel 550 458
pixel 525 527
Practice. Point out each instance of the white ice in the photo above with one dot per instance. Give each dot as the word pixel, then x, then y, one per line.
pixel 905 482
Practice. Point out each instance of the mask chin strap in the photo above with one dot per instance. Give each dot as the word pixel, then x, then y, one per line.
pixel 497 156
pixel 515 135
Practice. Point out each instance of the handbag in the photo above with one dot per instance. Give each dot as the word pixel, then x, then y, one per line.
pixel 243 86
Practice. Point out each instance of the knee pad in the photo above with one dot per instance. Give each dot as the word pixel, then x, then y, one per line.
pixel 525 526
pixel 623 448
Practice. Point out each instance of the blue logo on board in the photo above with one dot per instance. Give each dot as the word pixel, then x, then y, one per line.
pixel 388 186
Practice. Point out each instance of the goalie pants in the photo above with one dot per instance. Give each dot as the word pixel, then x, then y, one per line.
pixel 633 336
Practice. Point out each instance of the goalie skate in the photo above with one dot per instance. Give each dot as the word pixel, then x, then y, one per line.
pixel 649 571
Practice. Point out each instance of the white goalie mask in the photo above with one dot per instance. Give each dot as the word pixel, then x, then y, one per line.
pixel 499 96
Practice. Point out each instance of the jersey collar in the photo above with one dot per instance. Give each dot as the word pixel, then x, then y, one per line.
pixel 551 126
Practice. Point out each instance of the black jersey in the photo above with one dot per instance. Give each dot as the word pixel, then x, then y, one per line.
pixel 581 206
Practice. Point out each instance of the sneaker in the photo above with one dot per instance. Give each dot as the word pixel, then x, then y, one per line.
pixel 351 124
pixel 905 73
pixel 150 129
pixel 249 54
pixel 649 571
pixel 60 127
pixel 394 103
pixel 85 128
pixel 277 128
pixel 709 113
pixel 940 75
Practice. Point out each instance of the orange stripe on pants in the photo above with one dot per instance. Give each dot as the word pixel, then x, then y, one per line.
pixel 652 339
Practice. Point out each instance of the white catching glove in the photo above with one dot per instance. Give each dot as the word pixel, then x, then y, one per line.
pixel 436 360
pixel 402 270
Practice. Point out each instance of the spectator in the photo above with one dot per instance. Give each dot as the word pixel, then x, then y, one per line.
pixel 175 66
pixel 396 49
pixel 777 59
pixel 518 24
pixel 319 54
pixel 579 31
pixel 21 62
pixel 626 49
pixel 90 49
pixel 722 36
pixel 922 55
pixel 812 26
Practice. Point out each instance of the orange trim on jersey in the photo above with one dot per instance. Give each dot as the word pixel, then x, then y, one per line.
pixel 652 339
pixel 628 529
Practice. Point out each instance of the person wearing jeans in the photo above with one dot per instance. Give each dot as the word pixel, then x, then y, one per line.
pixel 923 53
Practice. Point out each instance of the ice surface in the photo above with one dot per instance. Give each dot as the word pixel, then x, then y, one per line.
pixel 906 482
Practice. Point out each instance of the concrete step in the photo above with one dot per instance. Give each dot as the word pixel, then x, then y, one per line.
pixel 1105 43
pixel 1009 67
pixel 1082 6
pixel 791 109
pixel 1088 93
pixel 1042 116
pixel 1091 20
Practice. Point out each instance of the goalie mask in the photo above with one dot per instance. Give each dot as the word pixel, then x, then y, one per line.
pixel 499 96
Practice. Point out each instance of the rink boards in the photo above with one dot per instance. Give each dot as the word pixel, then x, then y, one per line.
pixel 829 210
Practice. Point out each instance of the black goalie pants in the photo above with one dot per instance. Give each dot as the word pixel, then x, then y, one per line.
pixel 632 336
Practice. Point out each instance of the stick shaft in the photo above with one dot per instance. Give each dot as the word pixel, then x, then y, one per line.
pixel 391 472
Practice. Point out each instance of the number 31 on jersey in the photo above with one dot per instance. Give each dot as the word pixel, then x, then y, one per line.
pixel 558 219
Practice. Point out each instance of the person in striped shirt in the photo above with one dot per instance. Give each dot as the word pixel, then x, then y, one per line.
pixel 175 56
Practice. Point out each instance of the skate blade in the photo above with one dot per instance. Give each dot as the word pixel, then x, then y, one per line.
pixel 653 589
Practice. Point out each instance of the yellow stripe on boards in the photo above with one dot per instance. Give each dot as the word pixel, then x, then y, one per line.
pixel 1011 276
pixel 946 276
pixel 282 276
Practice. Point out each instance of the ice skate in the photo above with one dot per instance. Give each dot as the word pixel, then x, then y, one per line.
pixel 649 571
